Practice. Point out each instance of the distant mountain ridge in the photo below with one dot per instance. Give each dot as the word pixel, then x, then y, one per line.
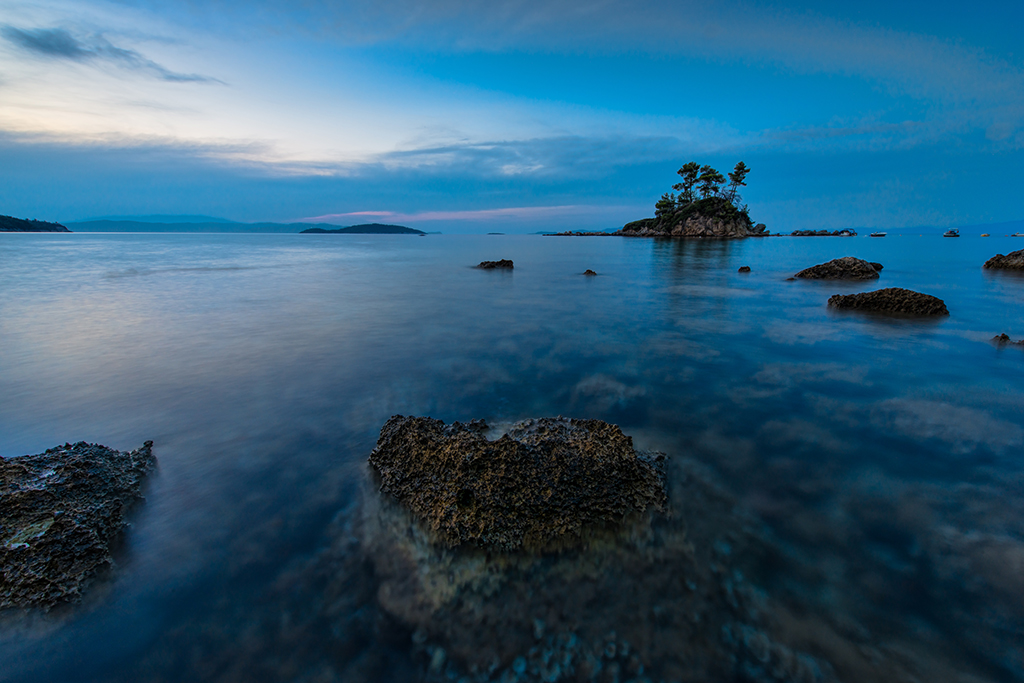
pixel 368 229
pixel 12 224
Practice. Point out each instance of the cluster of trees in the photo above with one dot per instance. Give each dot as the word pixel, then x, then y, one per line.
pixel 704 185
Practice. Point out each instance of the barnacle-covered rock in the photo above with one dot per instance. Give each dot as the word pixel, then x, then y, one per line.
pixel 845 268
pixel 543 484
pixel 891 300
pixel 60 511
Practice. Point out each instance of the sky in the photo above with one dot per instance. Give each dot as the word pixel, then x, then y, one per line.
pixel 510 116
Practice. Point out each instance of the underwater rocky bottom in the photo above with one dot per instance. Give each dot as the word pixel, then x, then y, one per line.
pixel 698 591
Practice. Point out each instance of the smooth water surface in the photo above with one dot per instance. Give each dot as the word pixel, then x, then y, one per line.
pixel 883 456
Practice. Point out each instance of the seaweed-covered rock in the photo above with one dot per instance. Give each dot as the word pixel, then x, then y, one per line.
pixel 1012 261
pixel 892 300
pixel 502 264
pixel 845 268
pixel 60 511
pixel 543 484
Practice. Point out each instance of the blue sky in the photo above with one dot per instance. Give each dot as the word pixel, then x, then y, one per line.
pixel 513 116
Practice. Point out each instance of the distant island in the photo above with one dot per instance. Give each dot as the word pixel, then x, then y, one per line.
pixel 367 229
pixel 12 224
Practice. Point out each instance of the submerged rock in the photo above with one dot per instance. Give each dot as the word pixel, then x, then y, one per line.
pixel 845 268
pixel 891 300
pixel 543 484
pixel 1012 261
pixel 60 512
pixel 491 265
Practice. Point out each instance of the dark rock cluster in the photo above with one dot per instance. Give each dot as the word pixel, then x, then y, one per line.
pixel 1004 340
pixel 491 265
pixel 823 233
pixel 695 225
pixel 845 268
pixel 60 512
pixel 892 300
pixel 588 271
pixel 1012 261
pixel 543 484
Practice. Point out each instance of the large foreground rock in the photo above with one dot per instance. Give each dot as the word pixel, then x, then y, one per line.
pixel 892 300
pixel 845 268
pixel 1012 261
pixel 543 484
pixel 60 511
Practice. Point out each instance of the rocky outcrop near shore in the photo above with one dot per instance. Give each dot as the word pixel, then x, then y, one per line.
pixel 503 264
pixel 1012 261
pixel 845 268
pixel 1004 339
pixel 699 226
pixel 60 513
pixel 891 301
pixel 546 483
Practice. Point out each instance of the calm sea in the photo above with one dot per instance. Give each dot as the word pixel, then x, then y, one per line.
pixel 883 457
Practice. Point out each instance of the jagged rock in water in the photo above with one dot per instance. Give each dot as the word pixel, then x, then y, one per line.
pixel 588 271
pixel 60 511
pixel 542 484
pixel 491 265
pixel 1012 261
pixel 744 269
pixel 845 268
pixel 892 300
pixel 1004 340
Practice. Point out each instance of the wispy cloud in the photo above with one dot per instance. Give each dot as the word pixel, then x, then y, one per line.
pixel 58 43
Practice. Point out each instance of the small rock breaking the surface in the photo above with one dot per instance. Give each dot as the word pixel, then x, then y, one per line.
pixel 845 268
pixel 60 511
pixel 503 264
pixel 542 485
pixel 892 300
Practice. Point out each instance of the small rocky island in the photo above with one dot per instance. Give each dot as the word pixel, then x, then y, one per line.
pixel 12 224
pixel 503 264
pixel 1012 261
pixel 60 514
pixel 365 229
pixel 891 301
pixel 845 268
pixel 708 206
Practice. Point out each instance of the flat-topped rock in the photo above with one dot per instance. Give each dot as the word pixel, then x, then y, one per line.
pixel 491 265
pixel 60 512
pixel 891 300
pixel 1012 261
pixel 845 268
pixel 541 485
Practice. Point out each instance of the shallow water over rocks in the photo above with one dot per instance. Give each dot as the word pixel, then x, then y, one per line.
pixel 845 492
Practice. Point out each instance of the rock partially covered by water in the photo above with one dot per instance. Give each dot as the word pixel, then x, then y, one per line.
pixel 543 484
pixel 892 300
pixel 1012 261
pixel 60 511
pixel 1004 340
pixel 845 268
pixel 491 265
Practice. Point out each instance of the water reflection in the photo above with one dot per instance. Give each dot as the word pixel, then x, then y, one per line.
pixel 878 460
